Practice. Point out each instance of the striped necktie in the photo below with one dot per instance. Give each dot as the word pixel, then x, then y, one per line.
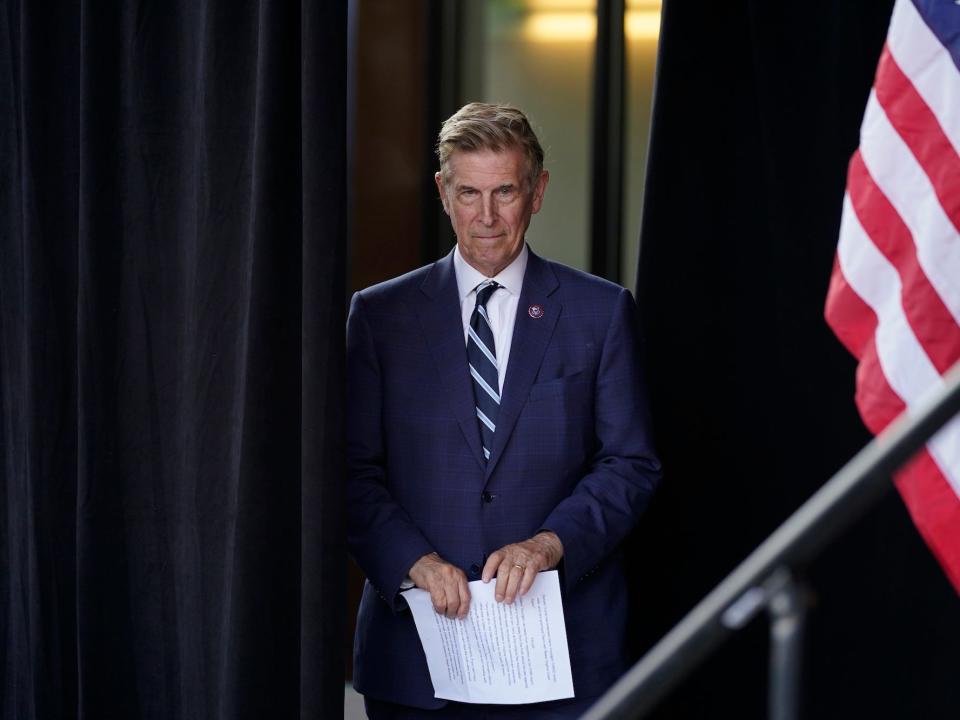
pixel 482 357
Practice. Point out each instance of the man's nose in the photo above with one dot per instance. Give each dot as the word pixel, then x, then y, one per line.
pixel 488 211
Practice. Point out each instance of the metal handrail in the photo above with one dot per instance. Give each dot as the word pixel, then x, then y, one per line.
pixel 761 577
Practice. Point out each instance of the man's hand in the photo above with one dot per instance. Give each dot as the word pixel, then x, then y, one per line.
pixel 516 565
pixel 446 584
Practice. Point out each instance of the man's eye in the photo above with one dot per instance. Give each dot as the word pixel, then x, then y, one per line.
pixel 506 192
pixel 468 194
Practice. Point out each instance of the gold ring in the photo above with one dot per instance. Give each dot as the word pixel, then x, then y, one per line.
pixel 517 565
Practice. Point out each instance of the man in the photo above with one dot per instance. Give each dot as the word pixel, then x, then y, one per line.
pixel 495 430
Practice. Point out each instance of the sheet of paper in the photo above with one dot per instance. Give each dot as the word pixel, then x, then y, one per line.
pixel 499 653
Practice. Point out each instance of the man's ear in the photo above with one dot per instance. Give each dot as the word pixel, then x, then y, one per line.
pixel 443 191
pixel 539 189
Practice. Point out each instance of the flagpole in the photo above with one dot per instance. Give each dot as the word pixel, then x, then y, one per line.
pixel 756 582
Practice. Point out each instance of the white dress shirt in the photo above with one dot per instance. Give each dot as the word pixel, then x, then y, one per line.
pixel 501 307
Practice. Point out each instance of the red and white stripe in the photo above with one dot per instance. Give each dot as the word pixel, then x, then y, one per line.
pixel 894 297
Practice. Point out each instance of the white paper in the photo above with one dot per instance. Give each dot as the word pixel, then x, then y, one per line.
pixel 499 653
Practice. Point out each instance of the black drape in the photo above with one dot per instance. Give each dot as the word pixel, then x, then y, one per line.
pixel 757 113
pixel 172 235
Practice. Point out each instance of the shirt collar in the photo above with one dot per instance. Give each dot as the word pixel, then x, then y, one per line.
pixel 468 277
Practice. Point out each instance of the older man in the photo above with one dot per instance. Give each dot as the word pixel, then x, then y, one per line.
pixel 497 428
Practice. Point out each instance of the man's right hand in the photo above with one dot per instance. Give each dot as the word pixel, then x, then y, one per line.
pixel 446 584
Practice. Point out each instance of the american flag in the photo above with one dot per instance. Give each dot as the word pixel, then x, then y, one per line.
pixel 894 297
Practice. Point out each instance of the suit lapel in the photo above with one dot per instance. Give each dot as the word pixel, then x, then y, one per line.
pixel 439 314
pixel 531 336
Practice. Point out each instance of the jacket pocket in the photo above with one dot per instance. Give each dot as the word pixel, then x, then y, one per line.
pixel 557 386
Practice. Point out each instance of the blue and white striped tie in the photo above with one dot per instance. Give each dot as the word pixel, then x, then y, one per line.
pixel 482 357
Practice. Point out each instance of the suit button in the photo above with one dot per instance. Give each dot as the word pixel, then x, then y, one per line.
pixel 487 496
pixel 474 570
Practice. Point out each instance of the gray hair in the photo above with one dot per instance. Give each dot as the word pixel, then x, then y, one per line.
pixel 482 126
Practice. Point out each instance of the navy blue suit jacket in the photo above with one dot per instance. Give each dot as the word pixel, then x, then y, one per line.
pixel 571 454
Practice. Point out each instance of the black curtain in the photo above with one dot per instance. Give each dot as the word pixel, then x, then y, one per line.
pixel 757 113
pixel 172 235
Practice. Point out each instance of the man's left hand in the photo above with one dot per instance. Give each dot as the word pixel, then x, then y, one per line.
pixel 516 565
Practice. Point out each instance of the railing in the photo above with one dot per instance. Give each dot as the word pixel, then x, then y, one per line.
pixel 764 581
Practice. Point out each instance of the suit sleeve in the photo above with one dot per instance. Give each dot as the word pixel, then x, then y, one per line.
pixel 624 471
pixel 380 534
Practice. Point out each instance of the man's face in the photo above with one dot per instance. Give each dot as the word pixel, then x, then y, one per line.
pixel 490 205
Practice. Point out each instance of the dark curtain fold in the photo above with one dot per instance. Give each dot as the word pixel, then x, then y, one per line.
pixel 171 327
